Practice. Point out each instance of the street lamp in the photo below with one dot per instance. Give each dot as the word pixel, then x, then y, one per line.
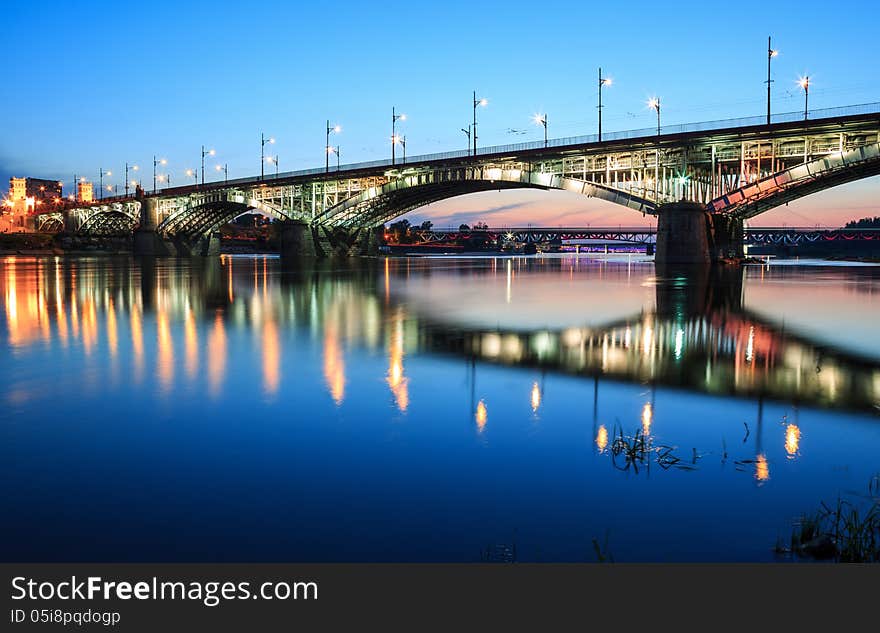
pixel 477 102
pixel 603 81
pixel 161 161
pixel 101 174
pixel 327 149
pixel 541 119
pixel 338 154
pixel 654 103
pixel 467 133
pixel 225 169
pixel 164 179
pixel 394 119
pixel 194 174
pixel 770 55
pixel 209 152
pixel 804 82
pixel 273 160
pixel 263 142
pixel 401 140
pixel 133 168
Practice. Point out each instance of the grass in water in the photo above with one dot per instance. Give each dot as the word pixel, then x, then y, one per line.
pixel 846 532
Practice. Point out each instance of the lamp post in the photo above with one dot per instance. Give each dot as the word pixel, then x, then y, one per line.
pixel 165 179
pixel 804 82
pixel 603 81
pixel 338 153
pixel 263 142
pixel 467 133
pixel 194 173
pixel 225 169
pixel 477 102
pixel 208 152
pixel 273 160
pixel 327 148
pixel 133 168
pixel 541 119
pixel 654 103
pixel 161 161
pixel 770 55
pixel 394 119
pixel 101 174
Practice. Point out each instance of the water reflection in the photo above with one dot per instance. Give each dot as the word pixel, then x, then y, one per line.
pixel 364 343
pixel 696 332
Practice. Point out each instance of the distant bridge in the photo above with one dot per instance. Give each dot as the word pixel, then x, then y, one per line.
pixel 637 235
pixel 701 179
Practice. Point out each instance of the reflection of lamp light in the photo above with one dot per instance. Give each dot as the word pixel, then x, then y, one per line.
pixel 481 416
pixel 762 469
pixel 536 397
pixel 647 418
pixel 602 438
pixel 792 440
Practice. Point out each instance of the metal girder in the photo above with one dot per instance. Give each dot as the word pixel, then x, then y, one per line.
pixel 377 205
pixel 793 183
pixel 212 212
pixel 113 222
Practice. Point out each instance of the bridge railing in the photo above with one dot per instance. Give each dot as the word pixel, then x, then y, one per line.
pixel 681 128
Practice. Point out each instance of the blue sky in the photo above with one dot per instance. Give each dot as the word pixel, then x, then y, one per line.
pixel 96 84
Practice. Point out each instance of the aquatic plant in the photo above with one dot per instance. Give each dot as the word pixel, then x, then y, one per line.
pixel 847 531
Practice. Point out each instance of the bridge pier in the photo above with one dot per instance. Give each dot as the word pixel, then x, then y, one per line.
pixel 682 234
pixel 296 240
pixel 147 241
pixel 727 237
pixel 688 234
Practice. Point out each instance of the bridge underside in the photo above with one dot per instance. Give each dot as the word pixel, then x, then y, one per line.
pixel 379 205
pixel 109 223
pixel 198 221
pixel 799 181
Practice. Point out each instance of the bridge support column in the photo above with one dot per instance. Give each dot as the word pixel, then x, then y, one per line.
pixel 369 241
pixel 727 237
pixel 683 234
pixel 147 241
pixel 296 240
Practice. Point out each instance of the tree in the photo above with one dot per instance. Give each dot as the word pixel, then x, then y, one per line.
pixel 427 225
pixel 464 228
pixel 864 223
pixel 399 230
pixel 481 226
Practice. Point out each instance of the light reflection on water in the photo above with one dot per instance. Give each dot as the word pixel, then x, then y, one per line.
pixel 243 410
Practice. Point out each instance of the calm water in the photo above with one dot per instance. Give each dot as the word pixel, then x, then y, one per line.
pixel 423 409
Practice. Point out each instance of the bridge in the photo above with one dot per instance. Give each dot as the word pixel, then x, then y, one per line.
pixel 700 180
pixel 639 236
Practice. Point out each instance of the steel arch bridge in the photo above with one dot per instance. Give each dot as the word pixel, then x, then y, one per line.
pixel 736 169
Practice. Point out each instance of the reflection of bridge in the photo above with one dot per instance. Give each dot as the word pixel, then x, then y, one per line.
pixel 697 336
pixel 702 180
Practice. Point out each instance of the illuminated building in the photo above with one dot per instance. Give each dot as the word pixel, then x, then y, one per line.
pixel 26 197
pixel 84 192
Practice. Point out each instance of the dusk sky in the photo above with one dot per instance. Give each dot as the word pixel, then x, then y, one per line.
pixel 97 84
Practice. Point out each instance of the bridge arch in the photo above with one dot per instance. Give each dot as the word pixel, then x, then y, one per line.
pixel 109 222
pixel 198 220
pixel 796 182
pixel 378 205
